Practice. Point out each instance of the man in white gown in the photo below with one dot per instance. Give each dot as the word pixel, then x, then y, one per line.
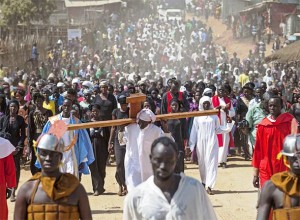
pixel 167 195
pixel 138 138
pixel 131 160
pixel 204 137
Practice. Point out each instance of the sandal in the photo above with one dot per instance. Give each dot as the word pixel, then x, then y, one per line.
pixel 209 191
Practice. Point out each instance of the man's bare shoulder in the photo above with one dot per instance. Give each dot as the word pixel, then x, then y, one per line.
pixel 28 184
pixel 268 189
pixel 26 189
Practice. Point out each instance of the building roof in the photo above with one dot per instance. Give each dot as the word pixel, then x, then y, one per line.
pixel 78 3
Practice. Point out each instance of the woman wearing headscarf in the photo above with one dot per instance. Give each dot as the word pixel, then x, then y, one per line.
pixel 106 100
pixel 23 104
pixel 240 137
pixel 36 121
pixel 204 137
pixel 178 130
pixel 99 139
pixel 24 109
pixel 117 144
pixel 13 126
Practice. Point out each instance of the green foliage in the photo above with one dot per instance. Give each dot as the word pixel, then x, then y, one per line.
pixel 26 11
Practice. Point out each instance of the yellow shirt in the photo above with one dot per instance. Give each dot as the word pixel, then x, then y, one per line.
pixel 50 106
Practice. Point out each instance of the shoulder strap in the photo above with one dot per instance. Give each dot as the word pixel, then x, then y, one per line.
pixel 36 185
pixel 287 203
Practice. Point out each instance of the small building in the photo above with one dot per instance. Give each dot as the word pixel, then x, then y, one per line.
pixel 275 13
pixel 83 12
pixel 59 16
pixel 233 7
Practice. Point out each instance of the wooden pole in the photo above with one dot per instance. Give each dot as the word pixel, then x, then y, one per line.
pixel 118 122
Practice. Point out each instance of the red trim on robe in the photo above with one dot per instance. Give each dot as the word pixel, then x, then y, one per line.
pixel 216 102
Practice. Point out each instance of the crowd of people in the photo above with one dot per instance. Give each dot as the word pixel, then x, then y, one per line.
pixel 179 68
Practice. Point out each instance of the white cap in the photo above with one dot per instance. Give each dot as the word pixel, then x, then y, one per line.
pixel 76 80
pixel 60 84
pixel 87 83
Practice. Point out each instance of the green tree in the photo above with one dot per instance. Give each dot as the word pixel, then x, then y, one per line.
pixel 26 11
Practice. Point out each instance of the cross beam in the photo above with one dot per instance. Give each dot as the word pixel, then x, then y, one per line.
pixel 135 106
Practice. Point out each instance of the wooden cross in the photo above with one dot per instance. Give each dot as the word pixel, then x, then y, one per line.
pixel 135 101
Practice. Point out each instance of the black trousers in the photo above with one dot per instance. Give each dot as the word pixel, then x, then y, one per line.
pixel 17 161
pixel 120 151
pixel 98 167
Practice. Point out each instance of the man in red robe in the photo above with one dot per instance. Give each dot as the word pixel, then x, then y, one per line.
pixel 7 175
pixel 269 142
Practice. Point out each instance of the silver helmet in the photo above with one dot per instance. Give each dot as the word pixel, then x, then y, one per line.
pixel 50 142
pixel 291 145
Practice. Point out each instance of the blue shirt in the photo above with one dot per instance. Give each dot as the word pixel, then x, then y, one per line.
pixel 60 99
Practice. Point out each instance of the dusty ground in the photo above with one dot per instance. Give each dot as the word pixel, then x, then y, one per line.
pixel 235 198
pixel 224 37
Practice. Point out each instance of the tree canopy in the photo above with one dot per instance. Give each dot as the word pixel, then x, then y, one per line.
pixel 26 11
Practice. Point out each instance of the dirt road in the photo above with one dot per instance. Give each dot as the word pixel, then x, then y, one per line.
pixel 235 197
pixel 224 37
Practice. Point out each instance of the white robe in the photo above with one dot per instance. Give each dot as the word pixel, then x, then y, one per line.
pixel 223 150
pixel 132 161
pixel 69 161
pixel 138 148
pixel 204 137
pixel 145 140
pixel 190 202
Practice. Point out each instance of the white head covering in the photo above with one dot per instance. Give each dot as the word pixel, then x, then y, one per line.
pixel 146 115
pixel 202 100
pixel 51 75
pixel 87 83
pixel 6 148
pixel 103 83
pixel 76 80
pixel 207 90
pixel 87 91
pixel 60 84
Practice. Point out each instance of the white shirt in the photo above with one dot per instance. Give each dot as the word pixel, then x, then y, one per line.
pixel 190 202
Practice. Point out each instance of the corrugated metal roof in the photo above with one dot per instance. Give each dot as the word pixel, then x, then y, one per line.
pixel 70 3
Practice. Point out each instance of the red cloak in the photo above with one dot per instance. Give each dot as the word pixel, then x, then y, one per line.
pixel 7 180
pixel 269 143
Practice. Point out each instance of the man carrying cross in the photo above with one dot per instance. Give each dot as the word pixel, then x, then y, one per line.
pixel 139 137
